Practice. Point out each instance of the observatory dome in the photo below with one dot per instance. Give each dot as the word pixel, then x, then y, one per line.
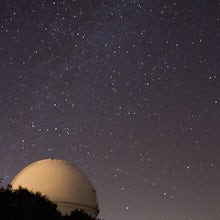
pixel 62 182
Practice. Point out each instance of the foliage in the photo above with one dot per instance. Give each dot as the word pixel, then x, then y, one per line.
pixel 78 215
pixel 22 204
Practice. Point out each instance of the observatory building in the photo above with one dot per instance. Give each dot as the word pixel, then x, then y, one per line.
pixel 62 182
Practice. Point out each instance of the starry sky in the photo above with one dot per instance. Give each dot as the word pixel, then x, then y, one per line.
pixel 126 90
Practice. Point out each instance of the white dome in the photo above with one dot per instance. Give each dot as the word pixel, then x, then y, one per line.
pixel 62 182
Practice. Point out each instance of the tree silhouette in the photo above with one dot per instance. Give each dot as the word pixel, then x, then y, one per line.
pixel 22 204
pixel 78 215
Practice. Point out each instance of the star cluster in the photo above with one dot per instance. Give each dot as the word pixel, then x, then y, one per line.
pixel 127 90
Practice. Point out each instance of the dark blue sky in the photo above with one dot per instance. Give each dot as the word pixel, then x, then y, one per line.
pixel 128 91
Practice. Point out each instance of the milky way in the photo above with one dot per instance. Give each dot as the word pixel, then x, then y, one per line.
pixel 128 91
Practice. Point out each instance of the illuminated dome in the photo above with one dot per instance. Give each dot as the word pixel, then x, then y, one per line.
pixel 62 182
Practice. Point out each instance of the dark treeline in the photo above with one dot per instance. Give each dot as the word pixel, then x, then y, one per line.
pixel 21 204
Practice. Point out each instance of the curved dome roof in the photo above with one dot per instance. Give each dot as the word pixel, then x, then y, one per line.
pixel 62 182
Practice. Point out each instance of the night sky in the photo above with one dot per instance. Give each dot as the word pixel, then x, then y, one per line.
pixel 128 91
